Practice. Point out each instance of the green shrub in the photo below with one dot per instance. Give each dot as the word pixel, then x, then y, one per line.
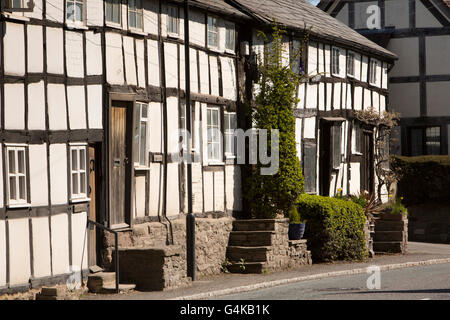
pixel 335 228
pixel 294 216
pixel 395 207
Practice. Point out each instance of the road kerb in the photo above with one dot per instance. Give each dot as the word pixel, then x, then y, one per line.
pixel 274 283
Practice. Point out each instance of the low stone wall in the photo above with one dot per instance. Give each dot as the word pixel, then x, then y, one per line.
pixel 211 240
pixel 429 222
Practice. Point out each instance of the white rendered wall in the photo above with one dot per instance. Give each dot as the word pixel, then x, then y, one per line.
pixel 14 49
pixel 114 62
pixel 77 108
pixel 79 240
pixel 35 49
pixel 14 106
pixel 58 173
pixel 55 52
pixel 60 243
pixel 57 115
pixel 95 106
pixel 38 174
pixel 41 247
pixel 36 106
pixel 19 251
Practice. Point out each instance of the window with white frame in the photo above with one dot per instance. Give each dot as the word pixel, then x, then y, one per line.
pixel 78 172
pixel 357 137
pixel 335 55
pixel 188 137
pixel 351 64
pixel 17 175
pixel 19 5
pixel 213 32
pixel 214 143
pixel 373 71
pixel 229 125
pixel 135 14
pixel 230 36
pixel 113 11
pixel 173 24
pixel 75 11
pixel 140 134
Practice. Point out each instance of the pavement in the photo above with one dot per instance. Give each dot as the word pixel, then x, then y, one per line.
pixel 419 254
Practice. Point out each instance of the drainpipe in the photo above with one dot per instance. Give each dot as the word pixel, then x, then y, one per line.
pixel 190 218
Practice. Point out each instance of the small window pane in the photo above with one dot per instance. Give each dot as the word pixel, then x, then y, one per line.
pixel 137 122
pixel 433 142
pixel 83 183
pixel 22 191
pixel 21 161
pixel 82 159
pixel 75 184
pixel 336 131
pixel 143 143
pixel 12 188
pixel 12 161
pixel 70 11
pixel 79 12
pixel 74 160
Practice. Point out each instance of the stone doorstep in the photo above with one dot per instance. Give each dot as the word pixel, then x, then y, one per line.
pixel 382 236
pixel 250 254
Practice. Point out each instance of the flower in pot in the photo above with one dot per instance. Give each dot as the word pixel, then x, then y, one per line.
pixel 395 210
pixel 296 225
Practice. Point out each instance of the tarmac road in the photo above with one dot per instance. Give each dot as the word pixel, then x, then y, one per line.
pixel 418 283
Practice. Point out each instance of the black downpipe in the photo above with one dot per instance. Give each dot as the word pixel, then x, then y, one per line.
pixel 190 218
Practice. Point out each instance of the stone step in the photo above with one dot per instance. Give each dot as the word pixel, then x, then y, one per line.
pixel 250 254
pixel 123 288
pixel 247 267
pixel 387 247
pixel 385 225
pixel 381 236
pixel 105 283
pixel 251 238
pixel 254 225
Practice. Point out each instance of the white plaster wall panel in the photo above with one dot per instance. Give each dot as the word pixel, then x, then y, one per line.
pixel 153 63
pixel 171 64
pixel 197 28
pixel 438 98
pixel 329 101
pixel 358 95
pixel 1 179
pixel 181 22
pixel 35 44
pixel 219 192
pixel 221 25
pixel 385 76
pixel 38 174
pixel 140 197
pixel 301 95
pixel 95 106
pixel 364 70
pixel 124 11
pixel 204 133
pixel 37 10
pixel 156 189
pixel 358 66
pixel 208 181
pixel 60 243
pixel 2 253
pixel 79 240
pixel 155 117
pixel 55 50
pixel 310 128
pixel 285 57
pixel 258 46
pixel 321 59
pixel 36 106
pixel 342 63
pixel 344 95
pixel 321 96
pixel 233 188
pixel 296 49
pixel 194 71
pixel 14 106
pixel 367 99
pixel 229 78
pixel 312 58
pixel 94 63
pixel 151 9
pixel 58 173
pixel 172 125
pixel 355 178
pixel 337 96
pixel 349 96
pixel 74 54
pixel 114 60
pixel 94 12
pixel 343 15
pixel 333 183
pixel 173 199
pixel 361 15
pixel 214 74
pixel 41 247
pixel 376 100
pixel 438 55
pixel 327 61
pixel 382 104
pixel 14 49
pixel 182 68
pixel 424 17
pixel 407 50
pixel 379 74
pixel 130 62
pixel 55 10
pixel 77 107
pixel 163 17
pixel 197 188
pixel 298 137
pixel 204 72
pixel 397 13
pixel 140 62
pixel 405 98
pixel 311 96
pixel 19 251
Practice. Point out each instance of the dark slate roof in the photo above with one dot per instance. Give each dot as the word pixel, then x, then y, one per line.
pixel 296 14
pixel 220 7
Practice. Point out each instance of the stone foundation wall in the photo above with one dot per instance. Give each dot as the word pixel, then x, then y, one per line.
pixel 211 240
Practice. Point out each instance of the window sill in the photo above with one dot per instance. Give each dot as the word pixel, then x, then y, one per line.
pixel 141 169
pixel 215 163
pixel 19 205
pixel 357 153
pixel 137 31
pixel 229 51
pixel 12 16
pixel 76 26
pixel 81 200
pixel 215 49
pixel 173 35
pixel 113 25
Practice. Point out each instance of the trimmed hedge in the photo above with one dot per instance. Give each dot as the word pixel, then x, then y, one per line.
pixel 423 179
pixel 334 228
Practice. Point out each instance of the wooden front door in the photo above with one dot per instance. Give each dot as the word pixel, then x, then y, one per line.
pixel 120 163
pixel 325 158
pixel 367 165
pixel 93 206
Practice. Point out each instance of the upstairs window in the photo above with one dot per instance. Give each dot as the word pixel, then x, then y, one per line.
pixel 351 64
pixel 230 36
pixel 135 14
pixel 173 16
pixel 113 11
pixel 214 142
pixel 17 175
pixel 78 172
pixel 373 72
pixel 18 5
pixel 75 11
pixel 229 130
pixel 140 134
pixel 335 55
pixel 213 32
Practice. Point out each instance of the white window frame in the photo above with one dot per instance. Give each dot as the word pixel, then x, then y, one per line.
pixel 229 133
pixel 210 126
pixel 83 12
pixel 111 22
pixel 230 26
pixel 8 6
pixel 373 64
pixel 17 203
pixel 216 32
pixel 352 60
pixel 170 33
pixel 138 11
pixel 335 62
pixel 137 162
pixel 78 171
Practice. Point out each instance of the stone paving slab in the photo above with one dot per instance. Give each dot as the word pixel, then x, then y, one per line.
pixel 417 252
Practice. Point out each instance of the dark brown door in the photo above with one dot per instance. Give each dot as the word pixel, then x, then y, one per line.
pixel 92 207
pixel 325 158
pixel 120 159
pixel 367 165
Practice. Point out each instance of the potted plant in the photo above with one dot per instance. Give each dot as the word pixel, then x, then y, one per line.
pixel 395 210
pixel 296 225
